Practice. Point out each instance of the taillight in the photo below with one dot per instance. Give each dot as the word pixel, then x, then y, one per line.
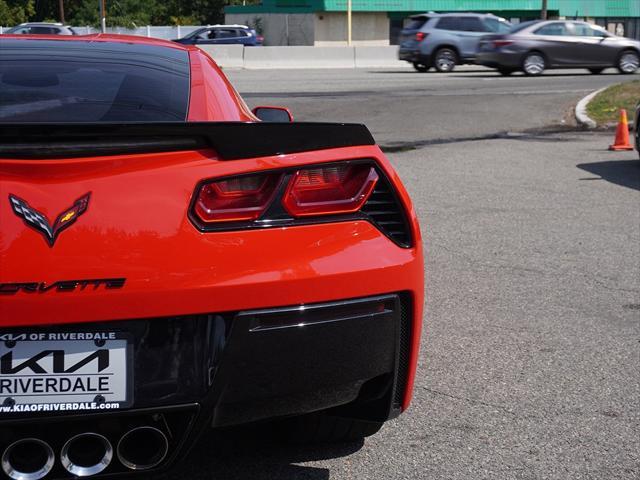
pixel 329 190
pixel 236 199
pixel 421 36
pixel 501 43
pixel 302 196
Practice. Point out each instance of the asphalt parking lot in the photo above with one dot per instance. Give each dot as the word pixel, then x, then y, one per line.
pixel 530 356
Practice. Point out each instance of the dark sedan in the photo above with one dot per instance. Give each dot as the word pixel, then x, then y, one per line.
pixel 535 46
pixel 223 35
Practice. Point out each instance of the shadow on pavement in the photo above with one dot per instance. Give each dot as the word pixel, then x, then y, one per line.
pixel 495 74
pixel 432 72
pixel 620 172
pixel 256 453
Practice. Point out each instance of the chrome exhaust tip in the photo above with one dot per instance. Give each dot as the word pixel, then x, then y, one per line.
pixel 86 454
pixel 142 448
pixel 28 459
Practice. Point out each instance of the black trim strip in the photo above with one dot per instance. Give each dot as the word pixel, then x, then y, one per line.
pixel 230 140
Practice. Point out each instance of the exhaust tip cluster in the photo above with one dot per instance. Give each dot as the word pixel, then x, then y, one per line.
pixel 28 459
pixel 85 454
pixel 142 448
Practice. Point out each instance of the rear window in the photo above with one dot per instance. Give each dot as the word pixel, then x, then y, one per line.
pixel 558 29
pixel 415 23
pixel 44 31
pixel 461 24
pixel 226 33
pixel 450 23
pixel 521 26
pixel 585 30
pixel 497 26
pixel 59 81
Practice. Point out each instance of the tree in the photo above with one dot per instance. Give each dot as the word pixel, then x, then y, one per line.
pixel 121 13
pixel 13 12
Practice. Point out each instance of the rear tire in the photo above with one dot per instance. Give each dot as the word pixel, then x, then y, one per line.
pixel 421 67
pixel 628 62
pixel 533 64
pixel 324 428
pixel 445 60
pixel 596 71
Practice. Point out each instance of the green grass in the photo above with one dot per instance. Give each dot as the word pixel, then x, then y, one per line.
pixel 605 107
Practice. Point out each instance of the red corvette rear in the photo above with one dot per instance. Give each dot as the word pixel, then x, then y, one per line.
pixel 169 263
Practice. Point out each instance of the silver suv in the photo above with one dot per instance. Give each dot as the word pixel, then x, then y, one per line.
pixel 41 28
pixel 444 40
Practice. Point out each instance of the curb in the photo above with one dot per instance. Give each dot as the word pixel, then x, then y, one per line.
pixel 583 119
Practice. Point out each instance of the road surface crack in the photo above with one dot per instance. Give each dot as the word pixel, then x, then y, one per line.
pixel 472 400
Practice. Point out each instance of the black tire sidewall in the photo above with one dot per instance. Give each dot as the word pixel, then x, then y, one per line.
pixel 620 58
pixel 439 52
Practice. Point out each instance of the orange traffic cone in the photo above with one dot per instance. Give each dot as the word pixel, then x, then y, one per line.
pixel 622 134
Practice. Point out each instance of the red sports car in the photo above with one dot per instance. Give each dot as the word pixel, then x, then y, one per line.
pixel 171 263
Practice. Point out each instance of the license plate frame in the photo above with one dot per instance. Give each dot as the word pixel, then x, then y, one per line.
pixel 83 360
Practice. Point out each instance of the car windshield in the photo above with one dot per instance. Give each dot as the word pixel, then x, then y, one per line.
pixel 56 81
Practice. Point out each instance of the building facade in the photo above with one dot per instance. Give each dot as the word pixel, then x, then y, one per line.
pixel 378 22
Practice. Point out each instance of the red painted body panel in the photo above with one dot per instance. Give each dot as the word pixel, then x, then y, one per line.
pixel 212 96
pixel 136 226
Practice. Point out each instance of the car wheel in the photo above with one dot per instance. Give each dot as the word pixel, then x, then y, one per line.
pixel 324 428
pixel 628 62
pixel 533 64
pixel 596 71
pixel 421 67
pixel 505 71
pixel 445 60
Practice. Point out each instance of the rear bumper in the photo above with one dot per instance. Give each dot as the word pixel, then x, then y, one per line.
pixel 498 59
pixel 234 368
pixel 414 56
pixel 189 297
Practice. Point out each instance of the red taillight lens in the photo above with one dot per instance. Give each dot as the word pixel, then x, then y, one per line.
pixel 329 190
pixel 236 199
pixel 421 36
pixel 501 43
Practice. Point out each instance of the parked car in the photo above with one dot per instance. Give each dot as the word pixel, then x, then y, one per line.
pixel 171 262
pixel 446 40
pixel 536 46
pixel 223 35
pixel 41 28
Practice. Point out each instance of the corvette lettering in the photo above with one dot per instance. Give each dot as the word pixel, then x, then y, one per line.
pixel 61 285
pixel 39 221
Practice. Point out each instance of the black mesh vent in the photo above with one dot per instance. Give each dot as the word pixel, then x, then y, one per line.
pixel 386 212
pixel 404 351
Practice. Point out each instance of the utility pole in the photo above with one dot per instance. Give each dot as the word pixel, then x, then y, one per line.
pixel 349 22
pixel 543 12
pixel 103 16
pixel 61 7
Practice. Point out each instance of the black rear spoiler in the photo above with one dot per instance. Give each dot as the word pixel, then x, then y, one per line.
pixel 230 140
